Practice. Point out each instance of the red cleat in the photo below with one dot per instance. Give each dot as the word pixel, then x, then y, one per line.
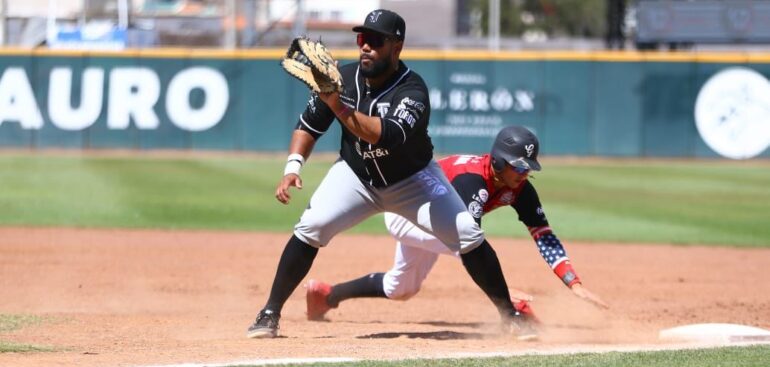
pixel 525 309
pixel 316 293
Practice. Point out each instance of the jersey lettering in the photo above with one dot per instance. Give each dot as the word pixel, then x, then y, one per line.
pixel 375 153
pixel 405 116
pixel 464 158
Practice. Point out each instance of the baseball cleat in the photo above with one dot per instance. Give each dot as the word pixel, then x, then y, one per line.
pixel 316 293
pixel 265 326
pixel 526 309
pixel 522 326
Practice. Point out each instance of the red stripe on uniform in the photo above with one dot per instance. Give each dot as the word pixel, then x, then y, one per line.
pixel 537 232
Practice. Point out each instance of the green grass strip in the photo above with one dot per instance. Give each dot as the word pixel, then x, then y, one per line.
pixel 673 202
pixel 6 347
pixel 717 357
pixel 11 322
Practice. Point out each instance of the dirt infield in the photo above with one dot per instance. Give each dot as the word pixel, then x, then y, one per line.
pixel 123 298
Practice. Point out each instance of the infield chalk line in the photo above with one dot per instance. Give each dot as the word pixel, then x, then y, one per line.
pixel 577 349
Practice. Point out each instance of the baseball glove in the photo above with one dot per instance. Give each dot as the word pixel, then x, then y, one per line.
pixel 311 62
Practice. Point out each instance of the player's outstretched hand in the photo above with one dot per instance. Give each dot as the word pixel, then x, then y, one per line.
pixel 282 191
pixel 589 296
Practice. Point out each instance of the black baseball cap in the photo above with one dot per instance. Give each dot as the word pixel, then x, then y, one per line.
pixel 384 22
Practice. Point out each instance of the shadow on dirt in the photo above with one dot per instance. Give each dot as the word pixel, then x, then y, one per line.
pixel 435 335
pixel 474 325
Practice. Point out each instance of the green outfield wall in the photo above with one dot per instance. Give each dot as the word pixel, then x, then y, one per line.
pixel 623 104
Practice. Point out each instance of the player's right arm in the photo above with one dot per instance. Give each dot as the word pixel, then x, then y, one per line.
pixel 312 124
pixel 410 109
pixel 301 145
pixel 531 213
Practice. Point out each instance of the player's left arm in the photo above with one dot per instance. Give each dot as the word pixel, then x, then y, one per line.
pixel 408 113
pixel 472 189
pixel 531 213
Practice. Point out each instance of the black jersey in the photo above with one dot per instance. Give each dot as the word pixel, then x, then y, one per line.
pixel 403 106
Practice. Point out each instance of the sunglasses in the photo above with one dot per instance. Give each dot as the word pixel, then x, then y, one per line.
pixel 520 169
pixel 372 39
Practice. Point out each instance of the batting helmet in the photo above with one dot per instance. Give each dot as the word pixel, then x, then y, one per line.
pixel 517 146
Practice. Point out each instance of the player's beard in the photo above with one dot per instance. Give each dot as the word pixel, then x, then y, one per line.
pixel 376 69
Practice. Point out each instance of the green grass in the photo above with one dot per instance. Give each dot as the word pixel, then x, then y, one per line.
pixel 723 357
pixel 6 347
pixel 10 322
pixel 209 193
pixel 14 322
pixel 696 202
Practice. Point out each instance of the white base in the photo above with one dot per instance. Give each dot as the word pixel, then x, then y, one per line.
pixel 715 333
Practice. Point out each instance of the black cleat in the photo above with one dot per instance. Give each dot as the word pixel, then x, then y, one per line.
pixel 265 326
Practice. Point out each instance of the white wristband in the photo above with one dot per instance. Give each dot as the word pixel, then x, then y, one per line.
pixel 294 164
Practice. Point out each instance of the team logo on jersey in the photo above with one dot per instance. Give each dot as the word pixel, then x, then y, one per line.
pixel 374 16
pixel 435 186
pixel 382 109
pixel 530 148
pixel 409 110
pixel 438 190
pixel 311 102
pixel 483 196
pixel 412 104
pixel 476 209
pixel 358 148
